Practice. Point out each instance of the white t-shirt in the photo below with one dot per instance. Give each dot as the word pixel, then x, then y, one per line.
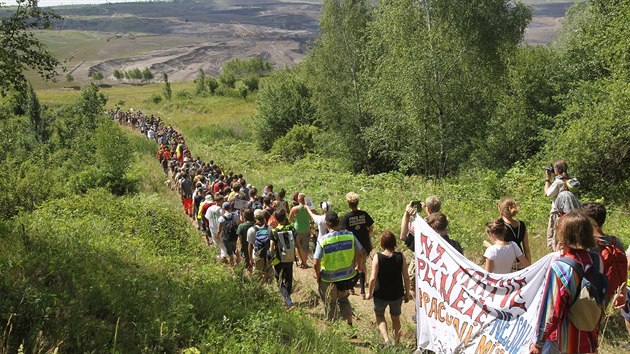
pixel 320 220
pixel 212 215
pixel 503 257
pixel 150 134
pixel 556 187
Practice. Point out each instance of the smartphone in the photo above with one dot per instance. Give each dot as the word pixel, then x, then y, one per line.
pixel 417 204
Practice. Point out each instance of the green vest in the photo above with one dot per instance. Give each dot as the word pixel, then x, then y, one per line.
pixel 338 261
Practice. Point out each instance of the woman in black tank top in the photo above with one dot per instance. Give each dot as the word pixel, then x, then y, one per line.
pixel 389 285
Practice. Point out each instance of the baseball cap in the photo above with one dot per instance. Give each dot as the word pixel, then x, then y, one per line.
pixel 226 205
pixel 259 214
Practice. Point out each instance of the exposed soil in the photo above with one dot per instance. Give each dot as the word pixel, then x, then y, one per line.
pixel 214 31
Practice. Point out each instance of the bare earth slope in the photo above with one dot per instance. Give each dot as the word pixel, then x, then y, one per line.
pixel 180 37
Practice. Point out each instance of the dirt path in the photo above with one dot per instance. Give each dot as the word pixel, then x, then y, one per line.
pixel 305 294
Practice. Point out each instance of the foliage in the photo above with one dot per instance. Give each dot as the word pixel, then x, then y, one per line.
pixel 334 67
pixel 118 75
pixel 595 136
pixel 243 92
pixel 213 84
pixel 251 66
pixel 228 80
pixel 97 75
pixel 251 82
pixel 156 99
pixel 167 92
pixel 283 102
pixel 296 143
pixel 201 82
pixel 524 109
pixel 21 50
pixel 69 77
pixel 147 75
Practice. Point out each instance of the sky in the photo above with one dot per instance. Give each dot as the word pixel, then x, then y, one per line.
pixel 72 2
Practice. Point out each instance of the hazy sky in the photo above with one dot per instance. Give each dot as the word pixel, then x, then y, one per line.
pixel 74 2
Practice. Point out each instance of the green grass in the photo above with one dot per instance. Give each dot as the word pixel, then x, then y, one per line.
pixel 219 128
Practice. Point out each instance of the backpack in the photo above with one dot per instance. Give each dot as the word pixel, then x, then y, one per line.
pixel 587 308
pixel 573 185
pixel 615 263
pixel 286 246
pixel 254 205
pixel 262 242
pixel 228 232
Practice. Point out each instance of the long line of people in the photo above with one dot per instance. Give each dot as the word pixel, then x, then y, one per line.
pixel 270 234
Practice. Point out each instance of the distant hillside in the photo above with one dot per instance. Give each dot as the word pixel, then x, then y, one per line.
pixel 180 37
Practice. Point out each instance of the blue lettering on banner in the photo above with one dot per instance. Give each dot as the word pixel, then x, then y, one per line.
pixel 512 338
pixel 338 246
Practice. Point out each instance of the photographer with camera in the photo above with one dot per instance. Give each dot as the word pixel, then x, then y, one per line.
pixel 552 188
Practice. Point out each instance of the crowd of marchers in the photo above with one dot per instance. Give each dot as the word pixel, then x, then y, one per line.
pixel 271 234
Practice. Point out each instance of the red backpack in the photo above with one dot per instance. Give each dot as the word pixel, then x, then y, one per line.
pixel 615 263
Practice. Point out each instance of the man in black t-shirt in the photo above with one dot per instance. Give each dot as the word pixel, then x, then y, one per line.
pixel 360 223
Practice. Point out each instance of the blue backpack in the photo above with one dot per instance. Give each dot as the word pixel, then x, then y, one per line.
pixel 262 242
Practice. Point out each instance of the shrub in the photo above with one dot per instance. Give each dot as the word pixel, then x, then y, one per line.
pixel 251 82
pixel 156 99
pixel 283 102
pixel 212 83
pixel 298 142
pixel 228 80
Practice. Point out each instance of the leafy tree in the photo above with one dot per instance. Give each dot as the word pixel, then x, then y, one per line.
pixel 201 82
pixel 284 101
pixel 594 40
pixel 20 50
pixel 167 92
pixel 118 75
pixel 127 76
pixel 69 77
pixel 251 66
pixel 228 80
pixel 97 75
pixel 298 142
pixel 135 74
pixel 334 69
pixel 147 75
pixel 594 137
pixel 243 92
pixel 419 54
pixel 213 84
pixel 112 143
pixel 251 82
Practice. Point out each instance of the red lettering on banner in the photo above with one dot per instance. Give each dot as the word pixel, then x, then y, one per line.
pixel 519 304
pixel 460 298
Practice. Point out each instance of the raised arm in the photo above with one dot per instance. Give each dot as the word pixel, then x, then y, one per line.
pixel 404 223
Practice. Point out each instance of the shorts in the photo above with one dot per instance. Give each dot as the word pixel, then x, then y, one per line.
pixel 230 247
pixel 394 306
pixel 302 241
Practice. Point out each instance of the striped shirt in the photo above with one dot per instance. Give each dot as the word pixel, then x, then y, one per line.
pixel 553 322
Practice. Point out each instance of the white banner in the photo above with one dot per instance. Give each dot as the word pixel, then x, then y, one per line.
pixel 461 308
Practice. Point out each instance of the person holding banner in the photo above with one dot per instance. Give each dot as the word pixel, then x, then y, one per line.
pixel 555 332
pixel 389 285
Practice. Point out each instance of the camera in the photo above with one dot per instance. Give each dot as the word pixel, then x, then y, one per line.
pixel 416 204
pixel 549 169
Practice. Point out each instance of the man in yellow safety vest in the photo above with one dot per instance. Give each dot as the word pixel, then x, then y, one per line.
pixel 337 255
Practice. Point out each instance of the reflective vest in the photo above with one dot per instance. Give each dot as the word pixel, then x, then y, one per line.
pixel 338 261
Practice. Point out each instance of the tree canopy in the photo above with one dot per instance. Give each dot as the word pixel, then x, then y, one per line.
pixel 21 50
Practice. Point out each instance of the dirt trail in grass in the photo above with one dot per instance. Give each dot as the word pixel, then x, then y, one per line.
pixel 306 296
